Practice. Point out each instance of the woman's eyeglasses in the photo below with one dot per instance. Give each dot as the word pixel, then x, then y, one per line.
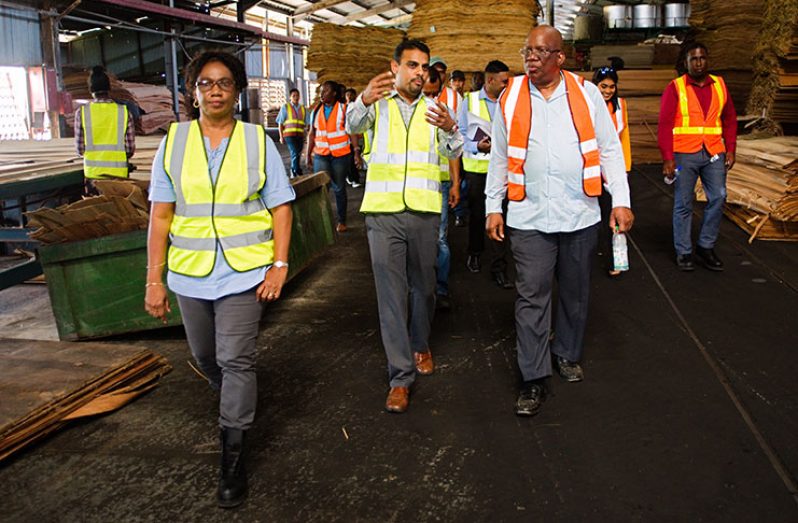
pixel 225 84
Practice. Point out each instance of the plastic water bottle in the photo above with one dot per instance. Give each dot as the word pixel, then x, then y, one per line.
pixel 676 172
pixel 620 252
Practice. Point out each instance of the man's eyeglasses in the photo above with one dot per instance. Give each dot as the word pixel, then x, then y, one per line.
pixel 541 53
pixel 225 84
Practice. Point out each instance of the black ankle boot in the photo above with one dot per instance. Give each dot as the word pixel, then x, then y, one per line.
pixel 233 475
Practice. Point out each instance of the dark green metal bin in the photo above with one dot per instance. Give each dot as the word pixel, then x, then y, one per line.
pixel 97 286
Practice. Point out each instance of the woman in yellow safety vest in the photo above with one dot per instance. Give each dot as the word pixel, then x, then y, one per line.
pixel 606 79
pixel 221 224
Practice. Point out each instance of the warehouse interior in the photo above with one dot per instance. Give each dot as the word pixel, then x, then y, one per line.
pixel 689 408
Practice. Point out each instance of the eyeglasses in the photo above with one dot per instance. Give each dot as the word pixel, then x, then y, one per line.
pixel 225 84
pixel 539 52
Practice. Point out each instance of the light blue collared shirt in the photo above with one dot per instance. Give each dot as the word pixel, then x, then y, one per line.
pixel 555 201
pixel 469 145
pixel 223 280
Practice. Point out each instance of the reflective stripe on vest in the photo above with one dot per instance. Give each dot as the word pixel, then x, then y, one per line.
pixel 476 162
pixel 331 137
pixel 294 123
pixel 229 212
pixel 516 105
pixel 449 97
pixel 104 127
pixel 692 130
pixel 617 115
pixel 404 171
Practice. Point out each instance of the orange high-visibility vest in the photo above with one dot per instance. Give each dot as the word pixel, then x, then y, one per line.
pixel 449 98
pixel 693 130
pixel 620 118
pixel 331 137
pixel 516 106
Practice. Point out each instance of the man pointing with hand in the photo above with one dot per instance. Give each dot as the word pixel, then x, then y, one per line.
pixel 402 204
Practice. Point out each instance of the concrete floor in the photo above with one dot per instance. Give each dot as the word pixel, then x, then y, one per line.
pixel 688 411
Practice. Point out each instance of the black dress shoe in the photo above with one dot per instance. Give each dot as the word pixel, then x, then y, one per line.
pixel 530 399
pixel 459 221
pixel 442 302
pixel 233 475
pixel 501 280
pixel 709 258
pixel 685 262
pixel 568 370
pixel 473 264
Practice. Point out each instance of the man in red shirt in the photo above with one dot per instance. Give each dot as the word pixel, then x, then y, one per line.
pixel 697 138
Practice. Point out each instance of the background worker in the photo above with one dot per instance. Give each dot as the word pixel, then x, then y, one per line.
pixel 475 126
pixel 457 81
pixel 698 133
pixel 221 223
pixel 402 203
pixel 292 122
pixel 105 134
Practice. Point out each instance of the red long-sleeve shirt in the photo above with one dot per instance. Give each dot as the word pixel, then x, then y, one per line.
pixel 670 104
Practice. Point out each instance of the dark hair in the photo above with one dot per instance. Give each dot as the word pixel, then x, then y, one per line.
pixel 457 74
pixel 694 45
pixel 496 66
pixel 351 90
pixel 293 90
pixel 434 76
pixel 602 73
pixel 477 80
pixel 98 80
pixel 405 45
pixel 195 66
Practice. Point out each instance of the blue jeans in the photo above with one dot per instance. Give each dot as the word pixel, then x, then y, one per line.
pixel 444 254
pixel 713 178
pixel 337 168
pixel 294 144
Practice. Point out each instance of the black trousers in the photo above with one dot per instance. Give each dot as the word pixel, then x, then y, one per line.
pixel 497 251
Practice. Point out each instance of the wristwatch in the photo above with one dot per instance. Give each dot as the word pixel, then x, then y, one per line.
pixel 280 264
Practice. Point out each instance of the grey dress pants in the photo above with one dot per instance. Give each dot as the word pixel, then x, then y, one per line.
pixel 404 248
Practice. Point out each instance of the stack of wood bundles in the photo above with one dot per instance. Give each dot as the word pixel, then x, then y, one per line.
pixel 762 188
pixel 468 34
pixel 633 56
pixel 121 207
pixel 155 101
pixel 731 30
pixel 46 384
pixel 774 92
pixel 351 55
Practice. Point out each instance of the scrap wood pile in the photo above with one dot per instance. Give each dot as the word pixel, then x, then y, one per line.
pixel 730 30
pixel 762 188
pixel 774 91
pixel 121 207
pixel 468 34
pixel 351 55
pixel 155 101
pixel 46 384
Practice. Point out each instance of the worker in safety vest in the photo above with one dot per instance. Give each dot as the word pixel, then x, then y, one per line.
pixel 457 81
pixel 552 138
pixel 105 134
pixel 402 203
pixel 292 122
pixel 330 146
pixel 450 194
pixel 475 126
pixel 697 138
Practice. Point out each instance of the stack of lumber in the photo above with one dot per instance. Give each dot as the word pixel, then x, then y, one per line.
pixel 642 90
pixel 121 207
pixel 633 56
pixel 351 55
pixel 731 29
pixel 46 384
pixel 762 188
pixel 155 101
pixel 468 34
pixel 774 92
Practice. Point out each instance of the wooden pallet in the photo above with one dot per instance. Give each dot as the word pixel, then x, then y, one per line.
pixel 761 226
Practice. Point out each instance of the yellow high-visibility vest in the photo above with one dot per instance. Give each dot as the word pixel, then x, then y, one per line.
pixel 104 127
pixel 294 124
pixel 229 212
pixel 404 167
pixel 476 162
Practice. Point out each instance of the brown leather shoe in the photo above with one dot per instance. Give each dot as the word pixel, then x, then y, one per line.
pixel 397 399
pixel 341 227
pixel 424 364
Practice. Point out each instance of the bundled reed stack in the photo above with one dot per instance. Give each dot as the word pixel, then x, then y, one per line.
pixel 468 34
pixel 351 55
pixel 774 91
pixel 731 30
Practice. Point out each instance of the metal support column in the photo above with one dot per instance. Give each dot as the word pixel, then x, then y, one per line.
pixel 170 57
pixel 550 12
